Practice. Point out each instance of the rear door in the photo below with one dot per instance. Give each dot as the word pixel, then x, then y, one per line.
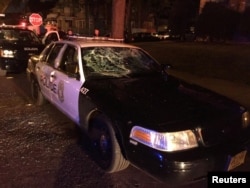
pixel 46 67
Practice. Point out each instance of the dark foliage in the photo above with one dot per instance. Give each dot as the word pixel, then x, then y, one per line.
pixel 38 6
pixel 183 16
pixel 217 22
pixel 244 27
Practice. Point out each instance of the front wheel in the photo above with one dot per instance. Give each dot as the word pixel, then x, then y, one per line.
pixel 105 147
pixel 36 93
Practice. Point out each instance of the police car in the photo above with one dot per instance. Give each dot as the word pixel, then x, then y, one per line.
pixel 52 36
pixel 135 113
pixel 17 44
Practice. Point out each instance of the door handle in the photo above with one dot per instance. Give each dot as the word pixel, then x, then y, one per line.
pixel 52 77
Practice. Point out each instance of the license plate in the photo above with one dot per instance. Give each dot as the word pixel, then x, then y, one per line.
pixel 236 160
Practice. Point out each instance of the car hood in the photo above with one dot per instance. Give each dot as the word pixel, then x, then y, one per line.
pixel 163 105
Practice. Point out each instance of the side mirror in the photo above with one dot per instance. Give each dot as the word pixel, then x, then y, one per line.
pixel 167 67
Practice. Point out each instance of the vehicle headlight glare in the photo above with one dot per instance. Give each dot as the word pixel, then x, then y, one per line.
pixel 168 141
pixel 7 53
pixel 246 119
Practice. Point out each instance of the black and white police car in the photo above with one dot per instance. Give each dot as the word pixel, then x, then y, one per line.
pixel 135 113
pixel 17 44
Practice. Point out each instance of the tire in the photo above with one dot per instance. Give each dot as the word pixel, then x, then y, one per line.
pixel 36 93
pixel 105 147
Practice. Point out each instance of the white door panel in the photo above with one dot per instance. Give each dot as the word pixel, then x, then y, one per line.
pixel 43 76
pixel 66 95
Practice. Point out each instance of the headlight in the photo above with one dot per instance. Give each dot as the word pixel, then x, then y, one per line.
pixel 169 141
pixel 245 119
pixel 7 53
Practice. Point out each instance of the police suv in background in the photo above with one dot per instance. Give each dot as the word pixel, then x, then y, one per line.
pixel 133 112
pixel 17 44
pixel 52 36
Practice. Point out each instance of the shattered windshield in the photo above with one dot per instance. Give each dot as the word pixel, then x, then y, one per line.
pixel 117 62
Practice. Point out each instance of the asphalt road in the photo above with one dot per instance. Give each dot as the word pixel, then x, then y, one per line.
pixel 39 147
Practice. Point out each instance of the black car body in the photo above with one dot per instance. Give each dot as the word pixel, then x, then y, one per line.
pixel 133 112
pixel 17 44
pixel 171 106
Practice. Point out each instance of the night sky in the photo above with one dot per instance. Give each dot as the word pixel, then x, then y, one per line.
pixel 31 5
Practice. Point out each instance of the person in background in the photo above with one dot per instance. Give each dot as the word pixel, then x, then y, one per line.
pixel 96 32
pixel 69 32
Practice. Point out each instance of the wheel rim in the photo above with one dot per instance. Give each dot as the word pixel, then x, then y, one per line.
pixel 101 145
pixel 104 145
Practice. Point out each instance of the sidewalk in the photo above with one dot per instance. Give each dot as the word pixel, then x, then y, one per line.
pixel 236 91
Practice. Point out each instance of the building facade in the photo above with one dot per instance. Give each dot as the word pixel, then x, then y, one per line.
pixel 81 16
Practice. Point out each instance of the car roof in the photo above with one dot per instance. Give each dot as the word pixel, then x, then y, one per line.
pixel 95 41
pixel 14 27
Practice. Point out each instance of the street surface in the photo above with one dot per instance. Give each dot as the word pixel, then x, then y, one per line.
pixel 40 147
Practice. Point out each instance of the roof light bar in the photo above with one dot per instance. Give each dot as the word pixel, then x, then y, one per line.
pixel 96 38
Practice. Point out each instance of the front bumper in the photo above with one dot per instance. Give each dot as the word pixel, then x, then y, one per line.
pixel 12 64
pixel 185 167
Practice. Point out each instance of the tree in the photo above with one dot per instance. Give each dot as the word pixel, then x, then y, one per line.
pixel 41 6
pixel 3 5
pixel 118 18
pixel 217 22
pixel 183 15
pixel 244 26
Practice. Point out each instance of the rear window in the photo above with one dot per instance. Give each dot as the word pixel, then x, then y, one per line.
pixel 18 35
